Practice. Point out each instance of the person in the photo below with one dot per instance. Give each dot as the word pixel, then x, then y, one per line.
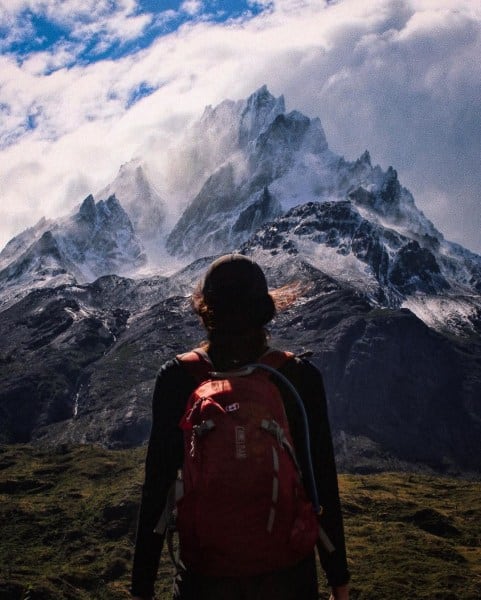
pixel 235 306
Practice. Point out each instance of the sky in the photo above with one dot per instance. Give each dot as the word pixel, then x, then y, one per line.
pixel 86 84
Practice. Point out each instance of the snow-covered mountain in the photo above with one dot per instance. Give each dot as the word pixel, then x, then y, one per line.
pixel 249 174
pixel 274 182
pixel 390 269
pixel 263 148
pixel 141 200
pixel 97 240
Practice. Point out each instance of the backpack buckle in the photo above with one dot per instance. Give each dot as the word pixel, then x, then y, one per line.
pixel 204 427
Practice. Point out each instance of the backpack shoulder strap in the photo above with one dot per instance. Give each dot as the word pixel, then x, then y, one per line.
pixel 197 363
pixel 200 367
pixel 275 358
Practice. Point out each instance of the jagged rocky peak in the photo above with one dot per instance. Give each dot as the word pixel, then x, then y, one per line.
pixel 87 209
pixel 40 264
pixel 221 216
pixel 362 166
pixel 107 214
pixel 245 146
pixel 384 200
pixel 315 140
pixel 365 159
pixel 228 129
pixel 261 211
pixel 261 109
pixel 285 130
pixel 140 198
pixel 286 141
pixel 265 125
pixel 385 197
pixel 252 143
pixel 96 240
pixel 100 238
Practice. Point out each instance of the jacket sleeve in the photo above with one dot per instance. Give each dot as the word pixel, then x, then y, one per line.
pixel 164 456
pixel 308 381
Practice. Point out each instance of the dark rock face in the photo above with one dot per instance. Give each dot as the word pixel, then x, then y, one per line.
pixel 221 215
pixel 264 145
pixel 391 379
pixel 42 259
pixel 260 109
pixel 101 236
pixel 49 339
pixel 206 215
pixel 415 269
pixel 91 363
pixel 276 146
pixel 76 368
pixel 258 213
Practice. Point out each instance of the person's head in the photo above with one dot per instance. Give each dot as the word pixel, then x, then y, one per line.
pixel 233 299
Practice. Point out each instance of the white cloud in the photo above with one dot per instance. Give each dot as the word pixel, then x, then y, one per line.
pixel 401 78
pixel 192 7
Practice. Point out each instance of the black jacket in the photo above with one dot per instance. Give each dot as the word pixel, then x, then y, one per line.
pixel 165 456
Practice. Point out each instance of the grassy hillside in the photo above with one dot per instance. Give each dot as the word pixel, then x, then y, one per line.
pixel 68 526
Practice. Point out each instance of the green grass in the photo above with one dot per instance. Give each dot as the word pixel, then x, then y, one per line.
pixel 413 536
pixel 68 526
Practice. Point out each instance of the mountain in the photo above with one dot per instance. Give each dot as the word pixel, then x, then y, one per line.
pixel 286 154
pixel 351 219
pixel 389 268
pixel 389 309
pixel 141 200
pixel 247 164
pixel 264 144
pixel 97 240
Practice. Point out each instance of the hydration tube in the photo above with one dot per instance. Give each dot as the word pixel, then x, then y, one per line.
pixel 310 469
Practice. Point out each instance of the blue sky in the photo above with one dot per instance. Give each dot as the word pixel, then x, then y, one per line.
pixel 85 85
pixel 45 29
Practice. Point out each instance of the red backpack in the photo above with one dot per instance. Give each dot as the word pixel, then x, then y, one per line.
pixel 243 508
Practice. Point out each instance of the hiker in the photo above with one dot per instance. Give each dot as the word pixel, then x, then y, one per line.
pixel 234 305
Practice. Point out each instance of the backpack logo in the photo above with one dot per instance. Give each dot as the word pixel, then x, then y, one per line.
pixel 240 442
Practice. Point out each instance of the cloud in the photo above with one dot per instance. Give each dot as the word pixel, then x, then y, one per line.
pixel 89 25
pixel 192 7
pixel 401 78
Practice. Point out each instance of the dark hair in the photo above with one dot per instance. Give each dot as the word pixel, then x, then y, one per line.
pixel 235 306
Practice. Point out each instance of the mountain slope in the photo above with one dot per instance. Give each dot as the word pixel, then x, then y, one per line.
pixel 391 269
pixel 287 153
pixel 249 163
pixel 393 384
pixel 96 240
